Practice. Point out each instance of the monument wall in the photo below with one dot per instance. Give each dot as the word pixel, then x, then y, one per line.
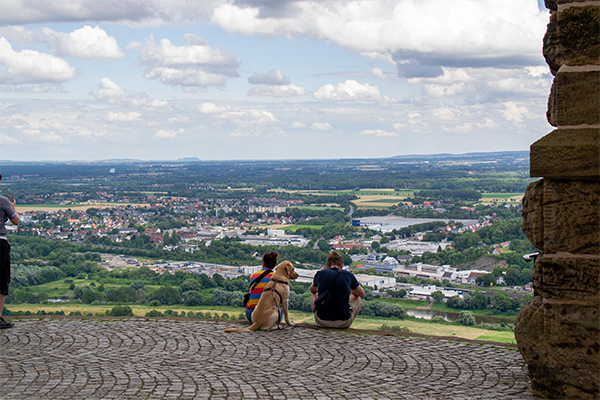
pixel 558 332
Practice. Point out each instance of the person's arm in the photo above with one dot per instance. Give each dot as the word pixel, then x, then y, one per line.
pixel 313 289
pixel 15 219
pixel 359 291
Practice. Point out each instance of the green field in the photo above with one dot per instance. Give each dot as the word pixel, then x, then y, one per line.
pixel 499 195
pixel 370 323
pixel 318 208
pixel 392 201
pixel 294 228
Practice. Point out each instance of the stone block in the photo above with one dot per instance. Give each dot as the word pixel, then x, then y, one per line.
pixel 571 334
pixel 571 216
pixel 551 45
pixel 551 5
pixel 565 2
pixel 577 97
pixel 560 349
pixel 571 278
pixel 533 218
pixel 551 112
pixel 579 34
pixel 567 154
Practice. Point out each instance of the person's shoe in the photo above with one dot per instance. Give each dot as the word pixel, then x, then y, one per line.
pixel 5 324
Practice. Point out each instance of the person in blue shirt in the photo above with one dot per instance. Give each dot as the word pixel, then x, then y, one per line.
pixel 346 294
pixel 7 212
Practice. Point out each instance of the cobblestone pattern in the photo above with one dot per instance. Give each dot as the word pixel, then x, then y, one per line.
pixel 163 359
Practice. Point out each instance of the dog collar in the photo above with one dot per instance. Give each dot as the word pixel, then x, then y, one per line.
pixel 283 282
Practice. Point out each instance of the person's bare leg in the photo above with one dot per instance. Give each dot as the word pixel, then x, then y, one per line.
pixel 313 297
pixel 357 300
pixel 2 299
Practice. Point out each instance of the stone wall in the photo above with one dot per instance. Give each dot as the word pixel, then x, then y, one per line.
pixel 558 332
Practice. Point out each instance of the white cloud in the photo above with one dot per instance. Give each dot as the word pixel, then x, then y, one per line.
pixel 378 73
pixel 30 66
pixel 321 126
pixel 179 118
pixel 247 117
pixel 134 45
pixel 378 132
pixel 273 77
pixel 123 117
pixel 17 33
pixel 211 108
pixel 277 91
pixel 9 140
pixel 298 124
pixel 464 31
pixel 528 81
pixel 351 90
pixel 164 134
pixel 196 66
pixel 86 42
pixel 431 32
pixel 513 112
pixel 471 126
pixel 108 90
pixel 151 104
pixel 398 126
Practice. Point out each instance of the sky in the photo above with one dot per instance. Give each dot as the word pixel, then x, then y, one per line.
pixel 269 79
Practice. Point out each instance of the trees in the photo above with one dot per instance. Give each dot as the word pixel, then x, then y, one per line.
pixel 167 295
pixel 466 318
pixel 120 311
pixel 503 302
pixel 485 280
pixel 438 296
pixel 193 298
pixel 190 284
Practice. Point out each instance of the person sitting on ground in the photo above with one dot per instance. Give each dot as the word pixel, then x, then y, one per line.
pixel 346 294
pixel 257 284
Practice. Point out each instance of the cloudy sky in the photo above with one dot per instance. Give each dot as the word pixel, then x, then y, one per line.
pixel 269 79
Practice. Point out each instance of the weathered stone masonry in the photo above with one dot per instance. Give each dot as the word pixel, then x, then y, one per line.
pixel 558 332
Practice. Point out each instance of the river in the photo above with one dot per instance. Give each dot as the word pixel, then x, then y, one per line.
pixel 453 316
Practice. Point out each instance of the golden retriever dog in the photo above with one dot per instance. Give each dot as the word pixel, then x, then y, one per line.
pixel 266 314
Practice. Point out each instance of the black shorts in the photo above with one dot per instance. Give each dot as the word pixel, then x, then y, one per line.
pixel 4 266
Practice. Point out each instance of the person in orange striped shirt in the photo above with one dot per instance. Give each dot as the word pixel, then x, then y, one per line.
pixel 269 261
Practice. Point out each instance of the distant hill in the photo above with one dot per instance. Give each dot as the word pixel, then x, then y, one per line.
pixel 189 159
pixel 498 155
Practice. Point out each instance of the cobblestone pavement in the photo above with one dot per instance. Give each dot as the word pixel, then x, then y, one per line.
pixel 133 358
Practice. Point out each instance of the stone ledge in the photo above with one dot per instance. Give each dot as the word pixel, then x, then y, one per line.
pixel 133 358
pixel 567 154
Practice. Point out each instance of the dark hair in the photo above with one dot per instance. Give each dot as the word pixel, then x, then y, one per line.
pixel 0 177
pixel 335 259
pixel 270 259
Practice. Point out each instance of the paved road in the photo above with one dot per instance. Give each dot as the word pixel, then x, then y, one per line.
pixel 136 358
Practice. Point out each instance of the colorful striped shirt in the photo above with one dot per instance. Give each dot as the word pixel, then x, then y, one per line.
pixel 259 288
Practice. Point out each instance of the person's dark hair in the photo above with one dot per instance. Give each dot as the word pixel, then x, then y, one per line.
pixel 0 177
pixel 335 260
pixel 270 259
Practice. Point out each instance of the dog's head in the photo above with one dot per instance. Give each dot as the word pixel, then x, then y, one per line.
pixel 286 269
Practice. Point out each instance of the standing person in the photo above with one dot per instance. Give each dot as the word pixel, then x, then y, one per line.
pixel 346 293
pixel 259 280
pixel 8 211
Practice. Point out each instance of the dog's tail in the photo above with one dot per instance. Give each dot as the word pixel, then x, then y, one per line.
pixel 252 327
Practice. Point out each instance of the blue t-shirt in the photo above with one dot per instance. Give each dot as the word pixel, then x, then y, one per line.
pixel 338 308
pixel 6 213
